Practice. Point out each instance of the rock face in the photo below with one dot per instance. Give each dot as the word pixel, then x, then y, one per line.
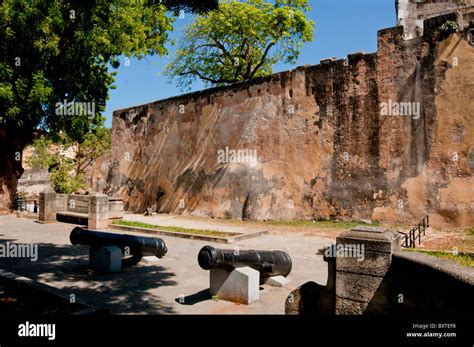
pixel 385 136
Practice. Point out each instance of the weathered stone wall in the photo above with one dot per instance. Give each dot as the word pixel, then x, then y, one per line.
pixel 318 144
pixel 97 173
pixel 34 181
pixel 412 13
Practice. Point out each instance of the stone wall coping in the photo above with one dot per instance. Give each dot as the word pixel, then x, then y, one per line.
pixel 370 233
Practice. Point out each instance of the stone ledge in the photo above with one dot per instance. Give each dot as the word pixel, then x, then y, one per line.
pixel 374 239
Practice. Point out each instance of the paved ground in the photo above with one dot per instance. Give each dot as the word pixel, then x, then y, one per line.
pixel 154 287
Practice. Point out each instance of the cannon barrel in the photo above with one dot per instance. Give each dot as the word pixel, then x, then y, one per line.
pixel 268 263
pixel 138 246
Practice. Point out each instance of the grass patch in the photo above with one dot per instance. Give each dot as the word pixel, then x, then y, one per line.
pixel 401 226
pixel 324 224
pixel 175 229
pixel 460 258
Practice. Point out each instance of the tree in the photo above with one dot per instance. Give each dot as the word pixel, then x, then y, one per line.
pixel 240 41
pixel 68 160
pixel 56 51
pixel 196 6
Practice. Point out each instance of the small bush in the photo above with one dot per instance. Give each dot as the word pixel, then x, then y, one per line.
pixel 450 26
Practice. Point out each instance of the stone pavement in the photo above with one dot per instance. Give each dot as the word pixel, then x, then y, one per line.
pixel 174 284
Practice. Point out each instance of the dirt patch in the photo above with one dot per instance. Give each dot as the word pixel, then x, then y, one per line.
pixel 448 240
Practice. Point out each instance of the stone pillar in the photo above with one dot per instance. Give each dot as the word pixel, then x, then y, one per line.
pixel 98 217
pixel 47 207
pixel 363 257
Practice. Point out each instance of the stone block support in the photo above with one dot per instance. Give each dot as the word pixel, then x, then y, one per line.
pixel 47 207
pixel 105 259
pixel 240 285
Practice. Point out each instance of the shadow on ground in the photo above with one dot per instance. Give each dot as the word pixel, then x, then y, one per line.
pixel 66 267
pixel 195 298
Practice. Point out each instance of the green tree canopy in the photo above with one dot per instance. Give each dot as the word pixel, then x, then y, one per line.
pixel 60 51
pixel 241 40
pixel 68 160
pixel 57 50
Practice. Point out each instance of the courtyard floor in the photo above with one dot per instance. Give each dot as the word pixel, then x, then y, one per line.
pixel 173 284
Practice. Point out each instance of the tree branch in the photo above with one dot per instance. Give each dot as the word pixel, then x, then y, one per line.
pixel 241 48
pixel 212 80
pixel 262 61
pixel 81 169
pixel 92 158
pixel 222 48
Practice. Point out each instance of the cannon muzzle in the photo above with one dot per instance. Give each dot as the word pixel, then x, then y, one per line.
pixel 268 263
pixel 137 246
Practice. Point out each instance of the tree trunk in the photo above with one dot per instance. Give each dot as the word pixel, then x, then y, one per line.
pixel 11 152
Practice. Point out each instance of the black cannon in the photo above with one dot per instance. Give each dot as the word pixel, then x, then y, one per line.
pixel 268 263
pixel 134 246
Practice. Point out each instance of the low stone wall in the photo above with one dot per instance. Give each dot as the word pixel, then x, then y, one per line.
pixel 115 208
pixel 427 285
pixel 97 208
pixel 31 183
pixel 73 203
pixel 383 280
pixel 34 181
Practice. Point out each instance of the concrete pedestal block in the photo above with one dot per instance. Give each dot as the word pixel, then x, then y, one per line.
pixel 240 285
pixel 105 259
pixel 47 207
pixel 150 259
pixel 277 281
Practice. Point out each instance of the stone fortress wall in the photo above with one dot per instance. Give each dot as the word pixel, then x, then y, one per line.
pixel 314 142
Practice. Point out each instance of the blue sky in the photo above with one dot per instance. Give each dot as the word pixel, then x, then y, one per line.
pixel 342 27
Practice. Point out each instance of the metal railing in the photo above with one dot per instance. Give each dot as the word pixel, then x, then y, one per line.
pixel 410 238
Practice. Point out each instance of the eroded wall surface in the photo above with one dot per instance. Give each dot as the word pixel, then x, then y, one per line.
pixel 316 142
